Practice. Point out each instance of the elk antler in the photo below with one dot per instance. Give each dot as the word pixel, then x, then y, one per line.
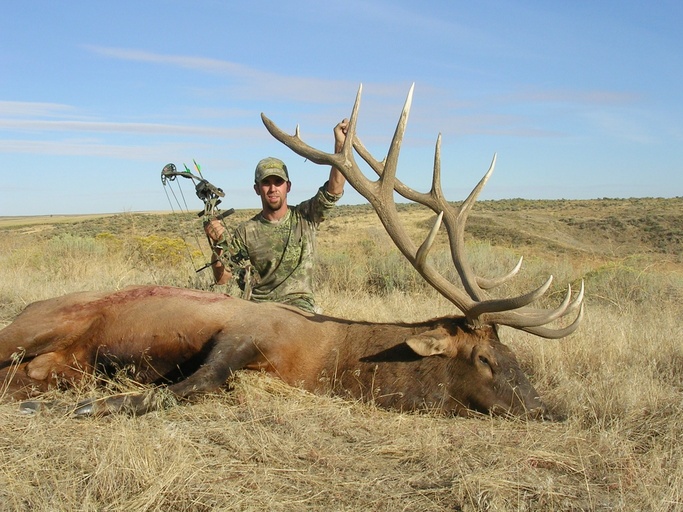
pixel 478 309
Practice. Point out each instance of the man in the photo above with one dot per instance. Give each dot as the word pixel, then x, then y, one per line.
pixel 279 242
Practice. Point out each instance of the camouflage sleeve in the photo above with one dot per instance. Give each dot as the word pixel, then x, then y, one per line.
pixel 316 208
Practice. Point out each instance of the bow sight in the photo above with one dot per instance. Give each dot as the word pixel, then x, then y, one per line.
pixel 208 193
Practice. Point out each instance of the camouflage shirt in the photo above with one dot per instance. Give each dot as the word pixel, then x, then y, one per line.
pixel 282 253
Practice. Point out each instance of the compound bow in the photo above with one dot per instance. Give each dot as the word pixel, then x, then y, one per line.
pixel 209 194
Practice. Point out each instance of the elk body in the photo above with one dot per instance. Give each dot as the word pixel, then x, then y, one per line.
pixel 193 340
pixel 162 333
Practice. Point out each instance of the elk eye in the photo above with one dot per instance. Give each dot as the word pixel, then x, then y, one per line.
pixel 484 360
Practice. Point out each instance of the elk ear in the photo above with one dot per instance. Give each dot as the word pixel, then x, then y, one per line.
pixel 429 344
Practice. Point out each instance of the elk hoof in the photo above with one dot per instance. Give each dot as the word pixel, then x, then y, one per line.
pixel 31 407
pixel 85 408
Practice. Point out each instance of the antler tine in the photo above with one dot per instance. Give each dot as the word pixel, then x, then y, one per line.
pixel 436 192
pixel 351 129
pixel 554 334
pixel 388 176
pixel 504 305
pixel 533 320
pixel 490 283
pixel 342 161
pixel 455 222
pixel 544 317
pixel 426 199
pixel 421 255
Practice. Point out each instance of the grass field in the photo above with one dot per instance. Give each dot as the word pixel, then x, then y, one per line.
pixel 618 381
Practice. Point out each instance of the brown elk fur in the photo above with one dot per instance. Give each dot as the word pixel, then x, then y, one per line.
pixel 192 341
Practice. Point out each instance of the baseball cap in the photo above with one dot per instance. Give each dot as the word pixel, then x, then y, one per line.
pixel 270 167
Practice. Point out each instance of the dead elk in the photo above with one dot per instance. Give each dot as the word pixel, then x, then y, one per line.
pixel 192 341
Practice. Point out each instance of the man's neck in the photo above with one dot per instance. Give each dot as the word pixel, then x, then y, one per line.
pixel 275 215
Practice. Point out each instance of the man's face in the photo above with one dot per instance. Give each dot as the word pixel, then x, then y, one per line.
pixel 273 191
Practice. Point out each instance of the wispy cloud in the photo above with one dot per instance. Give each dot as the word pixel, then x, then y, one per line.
pixel 253 83
pixel 204 64
pixel 42 125
pixel 88 147
pixel 33 109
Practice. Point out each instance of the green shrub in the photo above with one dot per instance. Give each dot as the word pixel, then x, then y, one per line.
pixel 631 282
pixel 73 246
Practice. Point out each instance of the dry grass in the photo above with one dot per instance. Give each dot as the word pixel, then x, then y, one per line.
pixel 266 446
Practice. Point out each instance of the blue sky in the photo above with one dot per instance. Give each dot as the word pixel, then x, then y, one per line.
pixel 580 99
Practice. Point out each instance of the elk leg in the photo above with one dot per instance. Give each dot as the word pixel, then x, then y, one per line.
pixel 38 375
pixel 228 354
pixel 16 384
pixel 56 367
